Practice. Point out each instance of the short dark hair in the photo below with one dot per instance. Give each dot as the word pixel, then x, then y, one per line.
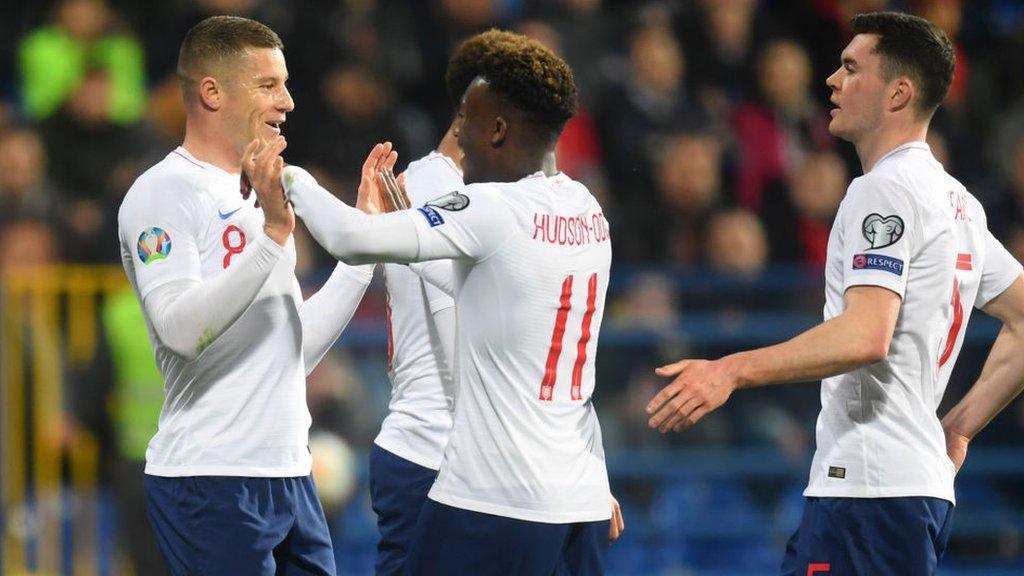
pixel 220 38
pixel 465 62
pixel 914 47
pixel 530 77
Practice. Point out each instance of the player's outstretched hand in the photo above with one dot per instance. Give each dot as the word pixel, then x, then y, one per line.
pixel 373 197
pixel 700 386
pixel 956 448
pixel 618 524
pixel 263 165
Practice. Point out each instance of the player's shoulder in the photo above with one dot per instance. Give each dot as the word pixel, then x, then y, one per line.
pixel 434 164
pixel 430 177
pixel 175 180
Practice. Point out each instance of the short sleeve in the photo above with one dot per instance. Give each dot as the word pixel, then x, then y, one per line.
pixel 1000 270
pixel 160 232
pixel 880 229
pixel 471 223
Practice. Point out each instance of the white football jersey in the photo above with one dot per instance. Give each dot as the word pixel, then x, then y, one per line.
pixel 239 408
pixel 530 292
pixel 911 228
pixel 422 385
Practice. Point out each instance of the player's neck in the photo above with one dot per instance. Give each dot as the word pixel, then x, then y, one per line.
pixel 206 145
pixel 550 167
pixel 875 145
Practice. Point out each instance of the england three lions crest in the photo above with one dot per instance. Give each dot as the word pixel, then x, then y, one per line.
pixel 881 231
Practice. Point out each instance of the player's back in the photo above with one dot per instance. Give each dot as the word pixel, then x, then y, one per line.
pixel 526 442
pixel 908 226
pixel 419 412
pixel 239 407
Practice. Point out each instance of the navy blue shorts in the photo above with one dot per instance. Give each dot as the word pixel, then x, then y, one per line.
pixel 224 525
pixel 451 540
pixel 398 489
pixel 857 536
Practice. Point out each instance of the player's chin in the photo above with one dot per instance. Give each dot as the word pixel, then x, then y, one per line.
pixel 835 128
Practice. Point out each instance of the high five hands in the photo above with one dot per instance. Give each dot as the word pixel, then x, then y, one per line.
pixel 379 190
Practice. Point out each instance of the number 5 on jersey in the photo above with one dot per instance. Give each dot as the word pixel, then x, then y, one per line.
pixel 547 385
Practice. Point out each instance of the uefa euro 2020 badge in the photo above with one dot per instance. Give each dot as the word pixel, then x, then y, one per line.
pixel 154 244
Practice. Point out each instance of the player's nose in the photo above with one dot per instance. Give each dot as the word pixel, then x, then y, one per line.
pixel 833 80
pixel 286 103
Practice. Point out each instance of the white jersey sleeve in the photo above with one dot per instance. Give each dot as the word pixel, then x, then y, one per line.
pixel 472 223
pixel 325 315
pixel 880 234
pixel 164 229
pixel 188 315
pixel 999 272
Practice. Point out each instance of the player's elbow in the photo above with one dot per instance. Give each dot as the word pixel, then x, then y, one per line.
pixel 187 349
pixel 872 347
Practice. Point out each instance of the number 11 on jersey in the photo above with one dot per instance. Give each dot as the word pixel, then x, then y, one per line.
pixel 547 385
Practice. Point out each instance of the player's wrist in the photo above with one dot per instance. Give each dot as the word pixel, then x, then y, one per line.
pixel 736 369
pixel 294 175
pixel 279 233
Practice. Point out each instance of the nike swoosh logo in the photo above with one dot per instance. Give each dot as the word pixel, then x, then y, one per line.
pixel 224 216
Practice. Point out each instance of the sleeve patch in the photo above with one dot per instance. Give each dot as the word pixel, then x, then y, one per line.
pixel 433 216
pixel 154 244
pixel 878 262
pixel 452 202
pixel 881 231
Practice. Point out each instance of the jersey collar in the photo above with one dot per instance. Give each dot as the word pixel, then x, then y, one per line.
pixel 181 151
pixel 917 145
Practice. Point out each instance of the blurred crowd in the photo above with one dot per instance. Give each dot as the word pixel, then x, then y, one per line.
pixel 703 125
pixel 703 130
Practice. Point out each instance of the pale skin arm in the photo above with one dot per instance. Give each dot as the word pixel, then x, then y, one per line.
pixel 858 337
pixel 1001 379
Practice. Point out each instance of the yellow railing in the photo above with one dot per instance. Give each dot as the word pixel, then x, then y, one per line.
pixel 50 328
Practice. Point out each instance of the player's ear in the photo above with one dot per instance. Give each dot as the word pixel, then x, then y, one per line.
pixel 500 132
pixel 210 93
pixel 902 92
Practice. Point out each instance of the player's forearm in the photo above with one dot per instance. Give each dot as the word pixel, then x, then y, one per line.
pixel 1001 380
pixel 345 232
pixel 189 315
pixel 438 273
pixel 326 314
pixel 839 345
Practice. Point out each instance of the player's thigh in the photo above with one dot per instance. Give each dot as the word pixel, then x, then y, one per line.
pixel 398 489
pixel 215 524
pixel 586 550
pixel 307 550
pixel 855 536
pixel 451 540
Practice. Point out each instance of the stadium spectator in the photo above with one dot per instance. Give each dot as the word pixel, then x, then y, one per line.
pixel 774 133
pixel 799 216
pixel 686 187
pixel 92 160
pixel 24 186
pixel 736 243
pixel 84 35
pixel 649 96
